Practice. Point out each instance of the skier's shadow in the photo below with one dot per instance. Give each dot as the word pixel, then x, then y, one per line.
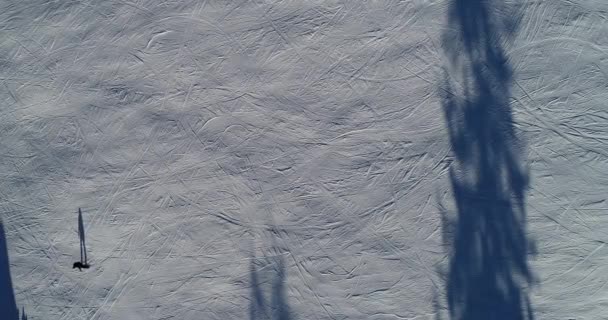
pixel 268 298
pixel 83 263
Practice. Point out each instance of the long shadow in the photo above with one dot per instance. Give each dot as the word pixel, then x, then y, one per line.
pixel 257 309
pixel 271 276
pixel 83 246
pixel 488 271
pixel 8 305
pixel 278 299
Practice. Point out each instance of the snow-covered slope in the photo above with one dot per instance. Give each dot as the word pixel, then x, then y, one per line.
pixel 412 159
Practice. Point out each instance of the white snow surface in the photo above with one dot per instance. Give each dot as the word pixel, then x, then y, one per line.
pixel 416 159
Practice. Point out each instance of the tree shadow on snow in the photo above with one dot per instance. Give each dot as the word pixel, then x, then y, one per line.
pixel 270 275
pixel 8 306
pixel 488 270
pixel 23 315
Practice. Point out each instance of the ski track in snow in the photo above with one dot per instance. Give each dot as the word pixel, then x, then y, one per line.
pixel 297 159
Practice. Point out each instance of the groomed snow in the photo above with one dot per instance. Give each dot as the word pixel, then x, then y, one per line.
pixel 287 160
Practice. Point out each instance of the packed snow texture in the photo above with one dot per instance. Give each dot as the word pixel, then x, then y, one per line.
pixel 413 159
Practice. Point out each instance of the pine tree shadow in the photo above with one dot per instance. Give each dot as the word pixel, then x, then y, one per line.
pixel 488 269
pixel 8 305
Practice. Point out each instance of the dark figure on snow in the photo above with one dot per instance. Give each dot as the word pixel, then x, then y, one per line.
pixel 80 265
pixel 83 263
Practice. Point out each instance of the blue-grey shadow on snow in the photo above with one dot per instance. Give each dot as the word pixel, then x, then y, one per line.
pixel 23 315
pixel 8 305
pixel 269 276
pixel 81 236
pixel 83 263
pixel 488 272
